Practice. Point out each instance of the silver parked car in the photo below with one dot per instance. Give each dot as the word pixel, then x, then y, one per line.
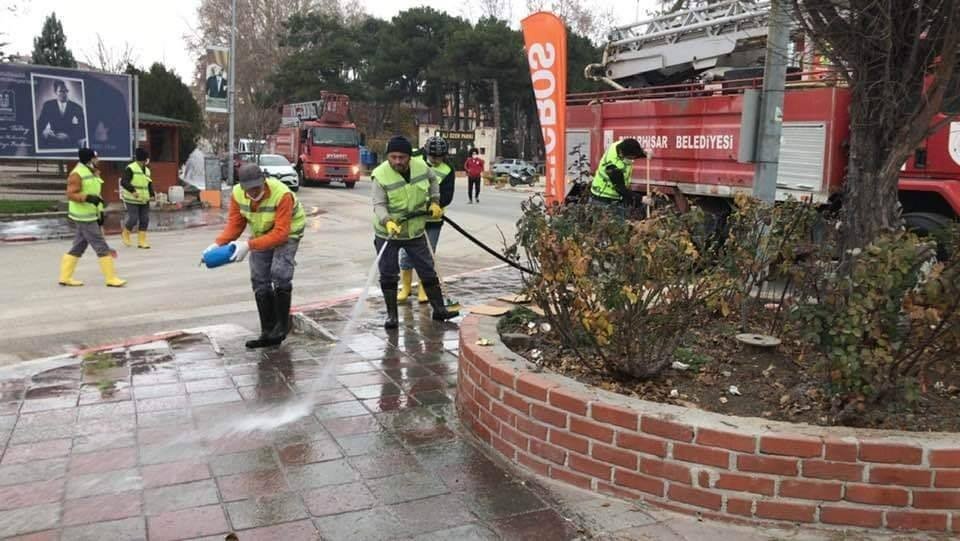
pixel 514 165
pixel 277 166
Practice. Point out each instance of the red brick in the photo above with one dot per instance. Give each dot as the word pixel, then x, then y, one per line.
pixel 746 483
pixel 666 470
pixel 514 437
pixel 590 467
pixel 547 451
pixel 893 475
pixel 739 506
pixel 505 448
pixel 481 431
pixel 565 439
pixel 811 490
pixel 818 469
pixel 533 386
pixel 614 415
pixel 638 482
pixel 666 429
pixel 936 499
pixel 703 479
pixel 502 413
pixel 502 374
pixel 727 440
pixel 549 415
pixel 762 464
pixel 490 387
pixel 532 428
pixel 701 455
pixel 644 444
pixel 890 453
pixel 590 429
pixel 693 496
pixel 789 445
pixel 947 479
pixel 786 511
pixel 876 495
pixel 851 516
pixel 516 402
pixel 613 455
pixel 533 464
pixel 840 450
pixel 490 421
pixel 569 401
pixel 945 458
pixel 575 479
pixel 911 520
pixel 482 400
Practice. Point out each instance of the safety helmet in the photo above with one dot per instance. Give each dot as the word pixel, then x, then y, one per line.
pixel 436 146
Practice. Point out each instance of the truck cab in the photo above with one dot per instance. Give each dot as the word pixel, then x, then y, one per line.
pixel 329 152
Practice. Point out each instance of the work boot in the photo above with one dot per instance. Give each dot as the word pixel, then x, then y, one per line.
pixel 390 300
pixel 440 312
pixel 109 274
pixel 283 313
pixel 267 309
pixel 422 294
pixel 142 240
pixel 125 236
pixel 406 277
pixel 68 264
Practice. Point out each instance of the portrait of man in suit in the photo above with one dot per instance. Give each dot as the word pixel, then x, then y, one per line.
pixel 61 120
pixel 216 82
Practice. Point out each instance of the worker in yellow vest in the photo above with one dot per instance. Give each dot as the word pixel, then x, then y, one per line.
pixel 85 210
pixel 277 221
pixel 136 192
pixel 436 155
pixel 611 183
pixel 405 193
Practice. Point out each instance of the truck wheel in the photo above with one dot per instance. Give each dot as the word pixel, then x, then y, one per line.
pixel 930 224
pixel 350 185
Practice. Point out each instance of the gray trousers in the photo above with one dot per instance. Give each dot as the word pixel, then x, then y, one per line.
pixel 273 269
pixel 433 234
pixel 137 215
pixel 418 252
pixel 89 233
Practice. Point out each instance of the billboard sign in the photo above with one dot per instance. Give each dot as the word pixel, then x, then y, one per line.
pixel 48 112
pixel 217 89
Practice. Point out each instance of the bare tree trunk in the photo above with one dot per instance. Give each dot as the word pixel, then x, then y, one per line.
pixel 496 117
pixel 870 205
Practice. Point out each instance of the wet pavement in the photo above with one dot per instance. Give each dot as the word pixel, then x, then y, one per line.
pixel 60 227
pixel 194 437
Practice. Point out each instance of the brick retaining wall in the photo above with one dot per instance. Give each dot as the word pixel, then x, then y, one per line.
pixel 722 467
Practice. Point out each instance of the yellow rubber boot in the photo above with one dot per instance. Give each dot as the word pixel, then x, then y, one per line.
pixel 68 264
pixel 422 294
pixel 142 240
pixel 106 267
pixel 406 276
pixel 125 236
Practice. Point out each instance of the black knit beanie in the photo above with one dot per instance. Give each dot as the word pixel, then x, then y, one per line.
pixel 141 154
pixel 85 155
pixel 399 143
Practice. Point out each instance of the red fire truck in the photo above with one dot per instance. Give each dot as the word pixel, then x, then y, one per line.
pixel 319 138
pixel 694 129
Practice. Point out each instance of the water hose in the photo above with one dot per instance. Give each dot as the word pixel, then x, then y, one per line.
pixel 486 248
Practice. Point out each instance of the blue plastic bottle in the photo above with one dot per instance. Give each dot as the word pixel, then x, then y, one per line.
pixel 219 256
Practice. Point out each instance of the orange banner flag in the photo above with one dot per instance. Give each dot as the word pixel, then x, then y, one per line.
pixel 546 40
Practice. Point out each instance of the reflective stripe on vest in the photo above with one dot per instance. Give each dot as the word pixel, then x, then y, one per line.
pixel 141 181
pixel 442 171
pixel 404 198
pixel 602 186
pixel 90 184
pixel 261 220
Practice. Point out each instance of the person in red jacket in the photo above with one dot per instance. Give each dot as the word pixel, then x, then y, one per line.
pixel 474 168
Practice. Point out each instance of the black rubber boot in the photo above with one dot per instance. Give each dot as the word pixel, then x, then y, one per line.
pixel 440 312
pixel 390 300
pixel 267 308
pixel 283 313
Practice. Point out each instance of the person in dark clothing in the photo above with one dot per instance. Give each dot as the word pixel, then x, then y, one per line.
pixel 61 124
pixel 611 183
pixel 434 155
pixel 474 168
pixel 136 194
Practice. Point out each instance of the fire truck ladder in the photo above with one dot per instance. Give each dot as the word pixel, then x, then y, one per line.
pixel 660 49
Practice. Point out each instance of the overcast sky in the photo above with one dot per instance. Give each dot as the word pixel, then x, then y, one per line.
pixel 156 29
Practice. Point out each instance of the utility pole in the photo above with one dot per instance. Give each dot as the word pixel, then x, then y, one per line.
pixel 496 118
pixel 771 103
pixel 232 86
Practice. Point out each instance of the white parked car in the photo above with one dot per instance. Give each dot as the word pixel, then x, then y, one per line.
pixel 277 166
pixel 509 165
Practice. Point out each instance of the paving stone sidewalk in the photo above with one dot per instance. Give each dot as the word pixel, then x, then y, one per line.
pixel 194 437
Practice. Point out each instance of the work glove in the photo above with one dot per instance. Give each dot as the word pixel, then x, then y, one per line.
pixel 436 211
pixel 393 228
pixel 213 246
pixel 240 253
pixel 95 200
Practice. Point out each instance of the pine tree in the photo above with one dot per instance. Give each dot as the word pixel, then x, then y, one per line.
pixel 50 47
